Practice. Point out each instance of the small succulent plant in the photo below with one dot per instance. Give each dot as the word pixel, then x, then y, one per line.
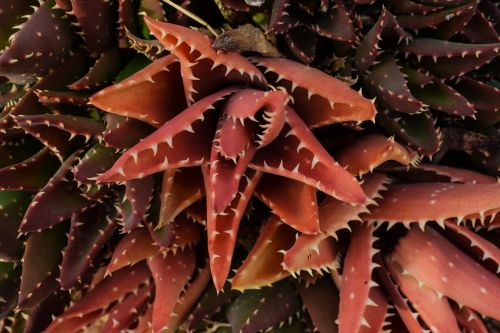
pixel 150 182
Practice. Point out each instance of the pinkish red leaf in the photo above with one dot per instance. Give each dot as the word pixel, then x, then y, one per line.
pixel 199 60
pixel 153 94
pixel 357 280
pixel 318 98
pixel 369 151
pixel 182 142
pixel 434 311
pixel 171 273
pixel 180 189
pixel 405 203
pixel 262 266
pixel 292 201
pixel 437 263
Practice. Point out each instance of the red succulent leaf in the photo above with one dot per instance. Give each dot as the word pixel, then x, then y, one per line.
pixel 297 154
pixel 321 300
pixel 124 313
pixel 262 266
pixel 180 189
pixel 406 313
pixel 74 324
pixel 335 24
pixel 457 175
pixel 404 202
pixel 96 21
pixel 171 273
pixel 107 291
pixel 389 84
pixel 281 20
pixel 317 97
pixel 95 161
pixel 199 60
pixel 126 21
pixel 433 261
pixel 335 215
pixel 89 231
pixel 124 132
pixel 225 175
pixel 469 319
pixel 222 228
pixel 138 196
pixel 259 310
pixel 369 151
pixel 16 146
pixel 449 59
pixel 418 130
pixel 153 94
pixel 376 315
pixel 61 195
pixel 357 280
pixel 292 201
pixel 477 246
pixel 31 174
pixel 13 204
pixel 48 98
pixel 186 233
pixel 436 312
pixel 190 298
pixel 41 256
pixel 61 133
pixel 246 105
pixel 236 5
pixel 144 321
pixel 368 49
pixel 312 253
pixel 105 68
pixel 42 43
pixel 182 142
pixel 131 249
pixel 411 6
pixel 211 302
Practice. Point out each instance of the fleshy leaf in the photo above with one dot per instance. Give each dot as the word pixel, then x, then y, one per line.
pixel 95 20
pixel 449 59
pixel 13 204
pixel 321 300
pixel 95 161
pixel 357 280
pixel 40 260
pixel 89 231
pixel 180 189
pixel 222 228
pixel 318 98
pixel 369 151
pixel 171 273
pixel 262 266
pixel 9 286
pixel 418 130
pixel 61 195
pixel 434 311
pixel 153 94
pixel 404 202
pixel 124 132
pixel 41 44
pixel 441 266
pixel 293 202
pixel 138 196
pixel 263 309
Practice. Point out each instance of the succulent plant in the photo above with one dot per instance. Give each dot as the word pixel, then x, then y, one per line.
pixel 150 182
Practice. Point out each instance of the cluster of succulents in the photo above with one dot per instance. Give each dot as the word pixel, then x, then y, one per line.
pixel 151 181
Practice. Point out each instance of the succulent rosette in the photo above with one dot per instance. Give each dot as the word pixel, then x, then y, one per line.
pixel 199 190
